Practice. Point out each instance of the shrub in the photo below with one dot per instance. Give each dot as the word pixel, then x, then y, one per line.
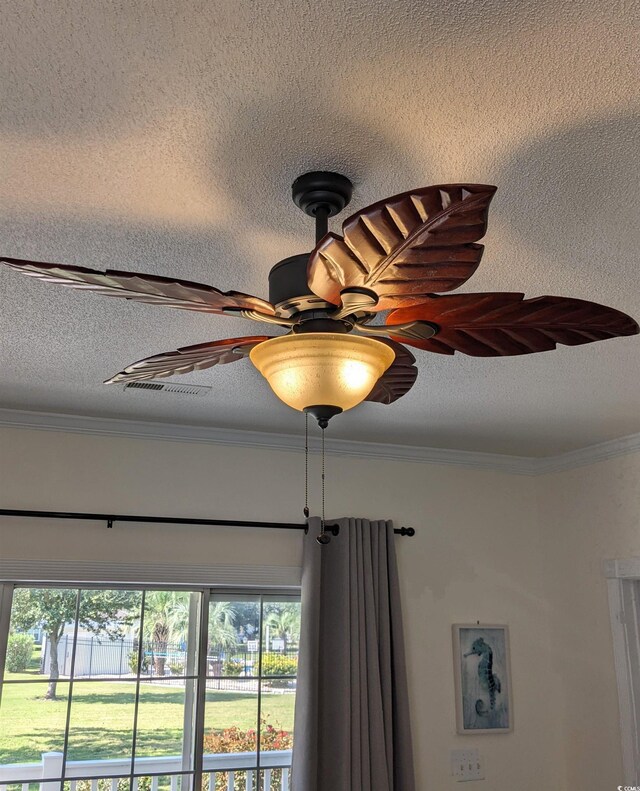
pixel 133 663
pixel 19 652
pixel 232 667
pixel 234 740
pixel 279 665
pixel 176 668
pixel 144 784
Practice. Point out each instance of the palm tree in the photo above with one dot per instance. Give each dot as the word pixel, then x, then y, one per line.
pixel 166 620
pixel 222 633
pixel 284 621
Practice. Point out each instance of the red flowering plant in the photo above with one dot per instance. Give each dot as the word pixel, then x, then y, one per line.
pixel 235 740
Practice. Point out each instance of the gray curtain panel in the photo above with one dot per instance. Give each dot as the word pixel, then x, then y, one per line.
pixel 352 728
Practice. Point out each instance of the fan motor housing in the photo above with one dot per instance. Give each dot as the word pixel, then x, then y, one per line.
pixel 289 290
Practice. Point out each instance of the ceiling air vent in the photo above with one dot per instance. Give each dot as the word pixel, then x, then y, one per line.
pixel 168 387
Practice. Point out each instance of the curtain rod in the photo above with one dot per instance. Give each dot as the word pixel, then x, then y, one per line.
pixel 110 519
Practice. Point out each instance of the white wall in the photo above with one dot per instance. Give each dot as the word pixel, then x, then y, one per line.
pixel 479 555
pixel 587 515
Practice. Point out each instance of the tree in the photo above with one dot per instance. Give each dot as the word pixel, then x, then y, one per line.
pixel 222 633
pixel 245 617
pixel 283 619
pixel 166 620
pixel 102 612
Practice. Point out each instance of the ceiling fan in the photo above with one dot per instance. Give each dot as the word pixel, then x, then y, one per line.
pixel 397 255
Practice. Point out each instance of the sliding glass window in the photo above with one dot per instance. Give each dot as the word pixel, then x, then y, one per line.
pixel 116 689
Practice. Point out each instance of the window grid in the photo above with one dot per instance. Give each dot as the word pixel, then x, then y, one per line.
pixel 260 655
pixel 206 595
pixel 136 704
pixel 65 748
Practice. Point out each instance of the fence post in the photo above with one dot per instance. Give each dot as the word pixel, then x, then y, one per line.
pixel 90 655
pixel 51 768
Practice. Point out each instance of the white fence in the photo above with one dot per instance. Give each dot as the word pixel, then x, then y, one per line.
pixel 232 765
pixel 96 657
pixel 93 656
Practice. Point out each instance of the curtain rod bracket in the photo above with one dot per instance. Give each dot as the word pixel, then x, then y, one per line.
pixel 333 529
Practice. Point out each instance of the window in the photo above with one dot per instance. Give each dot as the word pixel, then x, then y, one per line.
pixel 122 689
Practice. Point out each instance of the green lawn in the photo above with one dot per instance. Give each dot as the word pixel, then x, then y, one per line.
pixel 102 718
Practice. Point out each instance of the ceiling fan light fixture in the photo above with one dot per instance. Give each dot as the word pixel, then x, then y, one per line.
pixel 322 368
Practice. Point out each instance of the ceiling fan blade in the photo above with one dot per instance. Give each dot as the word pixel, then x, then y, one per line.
pixel 188 359
pixel 497 324
pixel 151 289
pixel 405 247
pixel 410 330
pixel 398 379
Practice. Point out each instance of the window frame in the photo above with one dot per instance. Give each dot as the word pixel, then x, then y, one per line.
pixel 207 593
pixel 623 583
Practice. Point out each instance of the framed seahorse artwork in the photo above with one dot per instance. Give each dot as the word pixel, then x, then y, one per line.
pixel 483 678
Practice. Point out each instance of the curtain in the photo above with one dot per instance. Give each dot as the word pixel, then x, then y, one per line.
pixel 352 728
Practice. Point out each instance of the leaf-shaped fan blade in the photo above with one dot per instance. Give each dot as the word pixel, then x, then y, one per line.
pixel 411 330
pixel 189 358
pixel 399 377
pixel 405 247
pixel 142 288
pixel 496 324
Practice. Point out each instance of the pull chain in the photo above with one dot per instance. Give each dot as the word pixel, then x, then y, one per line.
pixel 322 519
pixel 323 538
pixel 306 464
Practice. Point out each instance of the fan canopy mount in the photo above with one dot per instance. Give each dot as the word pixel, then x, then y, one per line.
pixel 322 192
pixel 403 255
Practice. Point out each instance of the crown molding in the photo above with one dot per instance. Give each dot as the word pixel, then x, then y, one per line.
pixel 514 465
pixel 592 454
pixel 77 424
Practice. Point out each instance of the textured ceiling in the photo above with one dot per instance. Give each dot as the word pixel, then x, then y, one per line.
pixel 163 137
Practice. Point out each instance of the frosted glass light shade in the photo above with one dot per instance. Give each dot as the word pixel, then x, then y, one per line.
pixel 322 368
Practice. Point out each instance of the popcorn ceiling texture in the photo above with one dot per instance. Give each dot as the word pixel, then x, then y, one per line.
pixel 163 137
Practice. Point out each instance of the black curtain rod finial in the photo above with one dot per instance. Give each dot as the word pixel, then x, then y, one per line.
pixel 405 531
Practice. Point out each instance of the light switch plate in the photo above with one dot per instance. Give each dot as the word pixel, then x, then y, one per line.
pixel 466 765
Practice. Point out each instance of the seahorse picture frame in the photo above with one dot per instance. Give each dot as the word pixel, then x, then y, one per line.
pixel 482 665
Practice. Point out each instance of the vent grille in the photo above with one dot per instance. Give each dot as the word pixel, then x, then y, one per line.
pixel 143 386
pixel 170 388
